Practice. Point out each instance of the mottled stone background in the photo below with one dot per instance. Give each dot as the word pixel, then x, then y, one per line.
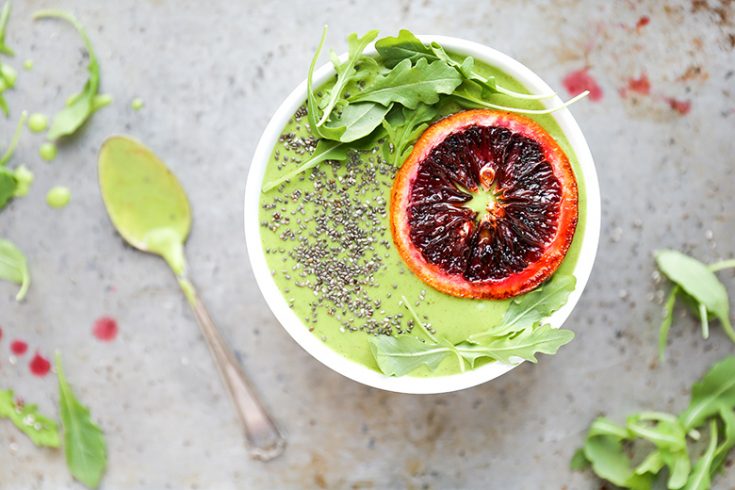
pixel 211 74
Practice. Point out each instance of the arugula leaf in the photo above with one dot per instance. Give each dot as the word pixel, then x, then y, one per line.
pixel 700 477
pixel 42 430
pixel 4 16
pixel 358 120
pixel 699 282
pixel 397 356
pixel 8 186
pixel 530 309
pixel 394 50
pixel 579 461
pixel 325 150
pixel 472 96
pixel 609 462
pixel 84 442
pixel 403 132
pixel 728 419
pixel 80 107
pixel 409 86
pixel 346 70
pixel 526 344
pixel 710 394
pixel 14 267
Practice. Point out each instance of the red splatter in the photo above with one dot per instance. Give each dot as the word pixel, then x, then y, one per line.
pixel 18 347
pixel 105 329
pixel 39 365
pixel 579 81
pixel 1 333
pixel 642 22
pixel 641 85
pixel 681 106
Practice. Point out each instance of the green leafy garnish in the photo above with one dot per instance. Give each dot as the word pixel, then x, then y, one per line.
pixel 526 337
pixel 403 129
pixel 405 46
pixel 346 71
pixel 665 437
pixel 14 267
pixel 80 107
pixel 697 284
pixel 84 443
pixel 42 430
pixel 4 17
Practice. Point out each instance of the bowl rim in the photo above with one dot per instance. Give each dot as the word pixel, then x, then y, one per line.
pixel 352 369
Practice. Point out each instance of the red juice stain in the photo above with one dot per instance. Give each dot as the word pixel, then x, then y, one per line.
pixel 1 333
pixel 640 85
pixel 642 22
pixel 18 347
pixel 39 365
pixel 105 329
pixel 579 81
pixel 681 106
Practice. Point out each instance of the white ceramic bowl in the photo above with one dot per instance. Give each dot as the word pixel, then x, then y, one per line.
pixel 358 372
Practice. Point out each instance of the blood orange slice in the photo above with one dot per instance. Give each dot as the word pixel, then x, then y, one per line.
pixel 485 206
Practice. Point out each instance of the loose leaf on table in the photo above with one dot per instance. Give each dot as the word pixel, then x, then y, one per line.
pixel 80 107
pixel 608 460
pixel 345 71
pixel 4 17
pixel 408 86
pixel 543 339
pixel 532 308
pixel 404 129
pixel 42 430
pixel 700 479
pixel 406 45
pixel 14 267
pixel 699 282
pixel 84 442
pixel 716 390
pixel 397 356
pixel 728 419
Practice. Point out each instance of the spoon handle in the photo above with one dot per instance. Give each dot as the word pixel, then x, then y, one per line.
pixel 265 440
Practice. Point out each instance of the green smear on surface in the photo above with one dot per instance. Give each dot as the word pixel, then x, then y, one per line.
pixel 38 122
pixel 137 104
pixel 47 151
pixel 145 201
pixel 58 197
pixel 28 64
pixel 24 179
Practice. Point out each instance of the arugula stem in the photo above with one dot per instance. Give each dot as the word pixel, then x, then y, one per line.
pixel 704 320
pixel 14 141
pixel 519 95
pixel 721 265
pixel 418 320
pixel 663 333
pixel 310 163
pixel 519 110
pixel 60 14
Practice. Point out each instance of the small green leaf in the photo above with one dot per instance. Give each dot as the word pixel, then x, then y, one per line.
pixel 602 426
pixel 653 463
pixel 408 86
pixel 709 395
pixel 532 308
pixel 80 107
pixel 579 461
pixel 728 419
pixel 397 356
pixel 14 267
pixel 4 16
pixel 609 462
pixel 8 186
pixel 403 131
pixel 42 430
pixel 345 71
pixel 358 120
pixel 84 442
pixel 325 150
pixel 393 50
pixel 663 331
pixel 664 434
pixel 525 345
pixel 697 280
pixel 700 477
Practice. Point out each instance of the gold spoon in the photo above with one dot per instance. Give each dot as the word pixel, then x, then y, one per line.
pixel 149 208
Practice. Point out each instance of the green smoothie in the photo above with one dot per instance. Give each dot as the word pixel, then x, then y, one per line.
pixel 328 245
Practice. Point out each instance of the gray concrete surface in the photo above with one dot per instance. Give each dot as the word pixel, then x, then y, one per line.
pixel 211 74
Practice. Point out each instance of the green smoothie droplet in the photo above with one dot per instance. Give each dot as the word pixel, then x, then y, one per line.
pixel 38 122
pixel 28 64
pixel 137 104
pixel 47 151
pixel 58 196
